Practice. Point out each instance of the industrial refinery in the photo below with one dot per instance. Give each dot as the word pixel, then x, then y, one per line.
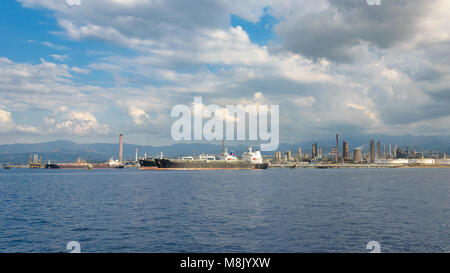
pixel 384 155
pixel 340 155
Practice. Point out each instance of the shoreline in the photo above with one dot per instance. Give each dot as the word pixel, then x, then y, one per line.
pixel 359 166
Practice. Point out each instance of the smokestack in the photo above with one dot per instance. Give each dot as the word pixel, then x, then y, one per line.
pixel 337 147
pixel 345 151
pixel 372 152
pixel 378 149
pixel 136 155
pixel 120 148
pixel 314 151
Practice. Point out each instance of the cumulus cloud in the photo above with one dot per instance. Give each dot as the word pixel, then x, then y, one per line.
pixel 138 115
pixel 25 86
pixel 340 30
pixel 334 65
pixel 74 122
pixel 7 124
pixel 5 119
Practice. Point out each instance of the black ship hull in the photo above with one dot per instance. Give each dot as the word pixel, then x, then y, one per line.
pixel 174 164
pixel 148 164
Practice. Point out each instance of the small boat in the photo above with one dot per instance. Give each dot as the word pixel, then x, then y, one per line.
pixel 115 164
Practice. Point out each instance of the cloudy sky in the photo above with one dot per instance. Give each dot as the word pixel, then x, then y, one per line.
pixel 91 71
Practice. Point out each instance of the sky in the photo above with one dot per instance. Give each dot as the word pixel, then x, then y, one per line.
pixel 87 72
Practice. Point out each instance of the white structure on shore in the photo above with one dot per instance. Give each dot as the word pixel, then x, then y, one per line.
pixel 207 157
pixel 422 161
pixel 411 161
pixel 444 161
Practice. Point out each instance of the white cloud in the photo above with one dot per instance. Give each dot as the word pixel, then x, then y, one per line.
pixel 49 44
pixel 59 58
pixel 7 124
pixel 75 122
pixel 5 118
pixel 138 115
pixel 335 64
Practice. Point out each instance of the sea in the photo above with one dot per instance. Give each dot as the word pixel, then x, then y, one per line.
pixel 230 211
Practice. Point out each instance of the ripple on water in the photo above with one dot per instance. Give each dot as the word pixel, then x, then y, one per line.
pixel 300 210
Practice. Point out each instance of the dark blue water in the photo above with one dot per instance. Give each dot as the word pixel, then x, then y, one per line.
pixel 277 210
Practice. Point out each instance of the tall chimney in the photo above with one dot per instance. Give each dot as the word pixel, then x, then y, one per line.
pixel 136 154
pixel 337 147
pixel 378 149
pixel 120 148
pixel 372 151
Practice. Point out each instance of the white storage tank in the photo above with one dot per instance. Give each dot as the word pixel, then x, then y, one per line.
pixel 422 161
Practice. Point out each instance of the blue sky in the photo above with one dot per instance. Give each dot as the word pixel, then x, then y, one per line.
pixel 33 34
pixel 89 72
pixel 260 32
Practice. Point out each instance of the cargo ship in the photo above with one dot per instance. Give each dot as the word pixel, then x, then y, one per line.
pixel 81 165
pixel 250 161
pixel 148 163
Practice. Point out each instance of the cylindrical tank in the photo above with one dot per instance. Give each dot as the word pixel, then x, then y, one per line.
pixel 357 156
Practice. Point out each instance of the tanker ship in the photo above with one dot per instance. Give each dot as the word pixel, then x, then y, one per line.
pixel 82 164
pixel 250 161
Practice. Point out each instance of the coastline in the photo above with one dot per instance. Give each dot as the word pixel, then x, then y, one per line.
pixel 359 166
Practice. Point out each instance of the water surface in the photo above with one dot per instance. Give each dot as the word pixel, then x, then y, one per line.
pixel 275 210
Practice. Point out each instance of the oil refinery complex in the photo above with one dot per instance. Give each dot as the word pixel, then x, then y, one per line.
pixel 379 155
pixel 340 156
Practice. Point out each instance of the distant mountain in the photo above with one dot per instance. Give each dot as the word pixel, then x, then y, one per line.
pixel 68 151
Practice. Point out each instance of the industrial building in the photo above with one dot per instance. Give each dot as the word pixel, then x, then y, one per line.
pixel 372 152
pixel 378 149
pixel 288 156
pixel 278 155
pixel 345 151
pixel 314 151
pixel 337 148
